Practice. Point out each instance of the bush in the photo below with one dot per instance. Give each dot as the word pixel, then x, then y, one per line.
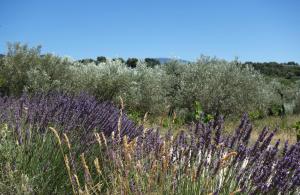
pixel 296 109
pixel 145 92
pixel 25 68
pixel 224 87
pixel 106 80
pixel 18 61
pixel 52 73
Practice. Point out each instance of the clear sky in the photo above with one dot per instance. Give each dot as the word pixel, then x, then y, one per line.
pixel 256 30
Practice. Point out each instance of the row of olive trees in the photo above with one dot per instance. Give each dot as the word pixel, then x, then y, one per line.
pixel 221 87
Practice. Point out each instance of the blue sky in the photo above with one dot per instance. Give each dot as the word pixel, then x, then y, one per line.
pixel 256 30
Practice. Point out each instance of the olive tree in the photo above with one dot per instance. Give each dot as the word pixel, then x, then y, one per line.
pixel 105 80
pixel 224 87
pixel 18 60
pixel 145 92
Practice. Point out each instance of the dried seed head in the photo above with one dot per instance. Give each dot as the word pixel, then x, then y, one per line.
pixel 119 126
pixel 228 156
pixel 98 139
pixel 128 158
pixel 104 139
pixel 174 170
pixel 121 102
pixel 171 139
pixel 144 132
pixel 97 165
pixel 67 141
pixel 235 192
pixel 145 118
pixel 86 190
pixel 113 135
pixel 77 182
pixel 163 148
pixel 194 174
pixel 120 118
pixel 125 142
pixel 56 135
pixel 220 145
pixel 164 163
pixel 139 166
pixel 69 172
pixel 87 175
pixel 154 166
pixel 174 117
pixel 132 144
pixel 67 162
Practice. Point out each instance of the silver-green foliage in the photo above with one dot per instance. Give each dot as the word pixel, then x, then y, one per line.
pixel 221 87
pixel 139 87
pixel 224 87
pixel 105 80
pixel 145 92
pixel 25 68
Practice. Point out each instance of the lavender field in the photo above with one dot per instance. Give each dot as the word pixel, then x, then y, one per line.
pixel 62 144
pixel 149 97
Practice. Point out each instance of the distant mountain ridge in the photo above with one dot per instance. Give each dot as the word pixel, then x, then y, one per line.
pixel 166 60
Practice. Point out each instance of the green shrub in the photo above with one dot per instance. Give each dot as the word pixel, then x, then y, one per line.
pixel 135 116
pixel 106 80
pixel 25 68
pixel 257 114
pixel 224 87
pixel 296 109
pixel 145 92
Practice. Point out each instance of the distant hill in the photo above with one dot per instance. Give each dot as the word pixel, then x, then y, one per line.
pixel 166 60
pixel 289 71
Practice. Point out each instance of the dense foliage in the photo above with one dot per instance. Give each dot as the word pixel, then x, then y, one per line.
pixel 221 87
pixel 225 87
pixel 290 70
pixel 61 144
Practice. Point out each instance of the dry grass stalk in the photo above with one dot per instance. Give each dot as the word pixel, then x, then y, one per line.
pixel 113 135
pixel 98 139
pixel 87 175
pixel 77 182
pixel 139 166
pixel 67 141
pixel 145 118
pixel 97 165
pixel 164 164
pixel 69 172
pixel 228 156
pixel 174 117
pixel 120 118
pixel 235 192
pixel 56 135
pixel 104 139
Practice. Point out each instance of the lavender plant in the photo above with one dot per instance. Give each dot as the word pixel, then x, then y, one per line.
pixel 82 146
pixel 80 115
pixel 202 160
